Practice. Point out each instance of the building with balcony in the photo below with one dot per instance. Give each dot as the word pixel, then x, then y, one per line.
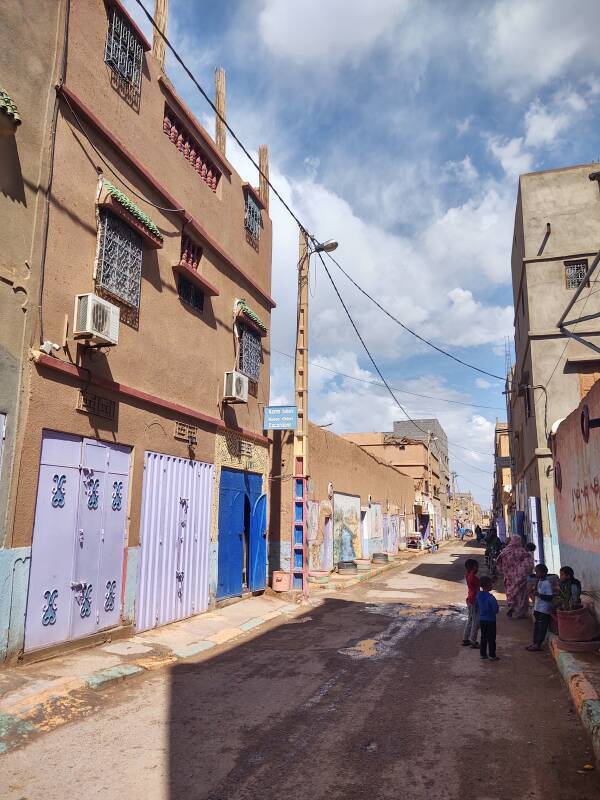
pixel 502 489
pixel 557 332
pixel 135 306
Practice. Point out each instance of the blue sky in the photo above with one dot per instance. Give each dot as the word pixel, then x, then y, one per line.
pixel 399 127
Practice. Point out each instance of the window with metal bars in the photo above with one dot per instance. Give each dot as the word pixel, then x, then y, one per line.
pixel 575 273
pixel 252 218
pixel 190 294
pixel 119 259
pixel 250 356
pixel 124 52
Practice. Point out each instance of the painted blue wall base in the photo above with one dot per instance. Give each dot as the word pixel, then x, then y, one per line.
pixel 14 580
pixel 131 581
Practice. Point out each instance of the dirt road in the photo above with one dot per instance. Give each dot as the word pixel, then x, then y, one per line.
pixel 369 695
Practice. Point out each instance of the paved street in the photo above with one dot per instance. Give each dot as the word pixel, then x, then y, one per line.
pixel 368 695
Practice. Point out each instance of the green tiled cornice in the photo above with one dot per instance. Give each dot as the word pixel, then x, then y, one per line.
pixel 8 106
pixel 245 309
pixel 134 210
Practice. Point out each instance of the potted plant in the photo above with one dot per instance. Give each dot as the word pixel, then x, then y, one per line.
pixel 576 622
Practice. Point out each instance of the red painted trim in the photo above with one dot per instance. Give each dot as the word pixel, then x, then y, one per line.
pixel 87 377
pixel 183 109
pixel 194 275
pixel 151 240
pixel 124 152
pixel 251 324
pixel 145 43
pixel 249 188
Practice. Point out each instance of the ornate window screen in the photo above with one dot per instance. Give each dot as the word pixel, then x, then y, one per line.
pixel 575 273
pixel 119 259
pixel 250 353
pixel 252 219
pixel 124 52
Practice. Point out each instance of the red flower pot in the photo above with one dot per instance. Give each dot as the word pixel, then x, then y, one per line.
pixel 579 625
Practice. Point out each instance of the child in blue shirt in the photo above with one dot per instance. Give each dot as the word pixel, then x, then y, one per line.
pixel 488 608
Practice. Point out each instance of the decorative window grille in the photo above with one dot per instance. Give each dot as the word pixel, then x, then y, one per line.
pixel 575 273
pixel 252 218
pixel 190 294
pixel 190 253
pixel 250 353
pixel 119 259
pixel 96 405
pixel 190 149
pixel 124 52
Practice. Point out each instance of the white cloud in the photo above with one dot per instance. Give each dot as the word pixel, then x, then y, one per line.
pixel 462 171
pixel 464 125
pixel 526 44
pixel 511 154
pixel 314 33
pixel 481 383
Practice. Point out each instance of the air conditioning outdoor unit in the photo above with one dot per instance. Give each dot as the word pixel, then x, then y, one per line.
pixel 96 320
pixel 236 388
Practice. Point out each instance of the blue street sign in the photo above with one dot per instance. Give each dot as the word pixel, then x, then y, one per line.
pixel 281 418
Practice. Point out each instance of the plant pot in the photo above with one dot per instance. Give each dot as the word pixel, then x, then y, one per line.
pixel 579 625
pixel 380 558
pixel 578 647
pixel 347 568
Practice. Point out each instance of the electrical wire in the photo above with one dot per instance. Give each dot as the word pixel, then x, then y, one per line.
pixel 471 466
pixel 302 227
pixel 395 388
pixel 410 330
pixel 110 168
pixel 472 483
pixel 219 115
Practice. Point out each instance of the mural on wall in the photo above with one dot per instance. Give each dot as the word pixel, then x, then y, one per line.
pixel 320 535
pixel 346 528
pixel 375 529
pixel 402 533
pixel 394 537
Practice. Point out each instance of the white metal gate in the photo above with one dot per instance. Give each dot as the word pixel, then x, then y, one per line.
pixel 175 539
pixel 78 539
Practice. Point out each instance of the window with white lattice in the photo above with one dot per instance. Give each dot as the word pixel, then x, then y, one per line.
pixel 124 52
pixel 119 259
pixel 575 273
pixel 252 218
pixel 250 355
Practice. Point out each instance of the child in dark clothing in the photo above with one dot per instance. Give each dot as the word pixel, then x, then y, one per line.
pixel 488 609
pixel 542 608
pixel 569 590
pixel 472 625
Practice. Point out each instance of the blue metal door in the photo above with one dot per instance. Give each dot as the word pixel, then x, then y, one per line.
pixel 258 545
pixel 236 488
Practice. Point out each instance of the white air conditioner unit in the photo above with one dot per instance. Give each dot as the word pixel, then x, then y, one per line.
pixel 96 320
pixel 235 388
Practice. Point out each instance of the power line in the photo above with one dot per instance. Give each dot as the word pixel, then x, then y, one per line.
pixel 286 205
pixel 396 389
pixel 472 466
pixel 472 483
pixel 409 330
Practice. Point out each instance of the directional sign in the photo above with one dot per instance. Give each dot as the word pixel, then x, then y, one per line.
pixel 281 418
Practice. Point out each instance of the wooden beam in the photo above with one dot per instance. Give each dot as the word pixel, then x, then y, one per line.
pixel 161 14
pixel 220 94
pixel 263 163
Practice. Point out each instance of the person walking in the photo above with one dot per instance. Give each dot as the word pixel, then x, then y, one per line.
pixel 488 609
pixel 516 563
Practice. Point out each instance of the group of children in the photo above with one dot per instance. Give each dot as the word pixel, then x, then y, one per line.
pixel 482 606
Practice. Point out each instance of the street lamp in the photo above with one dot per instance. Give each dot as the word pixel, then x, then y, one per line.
pixel 326 247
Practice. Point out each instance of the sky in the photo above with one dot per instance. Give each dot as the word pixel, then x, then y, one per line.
pixel 398 128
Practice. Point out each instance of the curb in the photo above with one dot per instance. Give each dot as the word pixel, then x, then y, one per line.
pixel 22 718
pixel 584 696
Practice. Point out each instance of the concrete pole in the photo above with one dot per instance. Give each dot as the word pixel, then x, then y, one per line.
pixel 301 470
pixel 263 163
pixel 220 94
pixel 161 14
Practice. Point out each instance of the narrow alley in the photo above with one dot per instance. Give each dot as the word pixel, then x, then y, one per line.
pixel 367 695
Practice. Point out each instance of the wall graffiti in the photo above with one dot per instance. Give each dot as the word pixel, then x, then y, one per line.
pixel 346 528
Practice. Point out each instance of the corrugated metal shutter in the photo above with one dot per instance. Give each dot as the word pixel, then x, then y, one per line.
pixel 175 539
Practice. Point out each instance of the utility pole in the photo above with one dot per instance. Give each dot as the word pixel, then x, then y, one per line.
pixel 299 568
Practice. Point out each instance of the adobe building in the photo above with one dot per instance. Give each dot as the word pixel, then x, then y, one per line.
pixel 557 332
pixel 135 312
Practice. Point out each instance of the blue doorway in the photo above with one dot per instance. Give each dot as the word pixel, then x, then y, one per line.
pixel 242 551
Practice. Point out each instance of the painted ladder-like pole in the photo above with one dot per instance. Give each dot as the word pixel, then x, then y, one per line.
pixel 299 554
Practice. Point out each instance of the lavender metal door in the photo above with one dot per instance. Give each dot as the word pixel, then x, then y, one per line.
pixel 74 538
pixel 175 539
pixel 48 616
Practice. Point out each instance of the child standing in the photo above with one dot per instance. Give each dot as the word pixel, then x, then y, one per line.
pixel 488 609
pixel 542 607
pixel 472 626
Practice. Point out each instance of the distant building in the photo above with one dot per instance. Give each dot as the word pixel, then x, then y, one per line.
pixel 423 456
pixel 556 238
pixel 502 499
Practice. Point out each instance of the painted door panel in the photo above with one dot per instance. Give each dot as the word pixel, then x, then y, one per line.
pixel 175 539
pixel 258 545
pixel 68 542
pixel 231 534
